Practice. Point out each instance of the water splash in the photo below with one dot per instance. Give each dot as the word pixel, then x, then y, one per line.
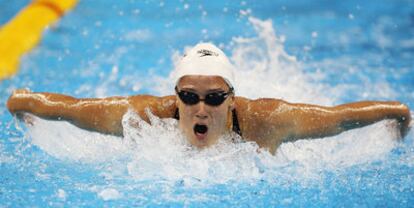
pixel 262 62
pixel 159 151
pixel 67 142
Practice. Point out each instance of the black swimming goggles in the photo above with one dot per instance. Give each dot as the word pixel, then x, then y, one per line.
pixel 212 99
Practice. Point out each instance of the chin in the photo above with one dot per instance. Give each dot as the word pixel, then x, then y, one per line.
pixel 202 143
pixel 199 144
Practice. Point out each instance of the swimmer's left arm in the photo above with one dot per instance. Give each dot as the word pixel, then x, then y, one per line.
pixel 312 121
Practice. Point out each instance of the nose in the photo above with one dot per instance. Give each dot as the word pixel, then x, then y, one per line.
pixel 201 111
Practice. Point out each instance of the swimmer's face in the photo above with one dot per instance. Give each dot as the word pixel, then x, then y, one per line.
pixel 203 124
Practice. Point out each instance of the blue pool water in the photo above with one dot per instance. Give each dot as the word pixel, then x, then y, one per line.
pixel 319 52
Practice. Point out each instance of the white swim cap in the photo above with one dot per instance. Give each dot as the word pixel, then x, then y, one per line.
pixel 205 59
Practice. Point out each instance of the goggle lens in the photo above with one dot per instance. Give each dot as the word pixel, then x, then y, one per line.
pixel 213 99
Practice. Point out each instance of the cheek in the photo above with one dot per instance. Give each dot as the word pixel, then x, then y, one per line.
pixel 186 113
pixel 220 115
pixel 185 121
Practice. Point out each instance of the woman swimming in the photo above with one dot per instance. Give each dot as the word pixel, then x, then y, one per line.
pixel 206 107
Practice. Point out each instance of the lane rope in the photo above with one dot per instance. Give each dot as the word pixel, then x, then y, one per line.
pixel 25 30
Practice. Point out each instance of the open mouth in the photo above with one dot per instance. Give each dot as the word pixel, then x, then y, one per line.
pixel 200 130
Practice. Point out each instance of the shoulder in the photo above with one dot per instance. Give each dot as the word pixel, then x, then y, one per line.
pixel 261 121
pixel 163 106
pixel 261 105
pixel 260 112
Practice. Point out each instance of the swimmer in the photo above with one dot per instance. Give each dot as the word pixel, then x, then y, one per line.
pixel 206 107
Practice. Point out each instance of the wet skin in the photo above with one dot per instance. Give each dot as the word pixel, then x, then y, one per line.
pixel 266 121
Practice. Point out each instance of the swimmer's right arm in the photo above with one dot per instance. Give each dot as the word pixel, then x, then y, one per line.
pixel 98 114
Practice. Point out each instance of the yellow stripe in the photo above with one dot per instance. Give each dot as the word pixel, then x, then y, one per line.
pixel 24 31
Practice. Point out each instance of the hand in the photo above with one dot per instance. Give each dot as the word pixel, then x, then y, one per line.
pixel 12 104
pixel 15 102
pixel 21 91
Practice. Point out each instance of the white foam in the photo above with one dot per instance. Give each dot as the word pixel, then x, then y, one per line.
pixel 262 62
pixel 65 141
pixel 4 158
pixel 61 194
pixel 161 152
pixel 109 194
pixel 138 35
pixel 349 148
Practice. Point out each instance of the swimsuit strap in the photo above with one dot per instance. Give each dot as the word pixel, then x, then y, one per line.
pixel 176 114
pixel 236 127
